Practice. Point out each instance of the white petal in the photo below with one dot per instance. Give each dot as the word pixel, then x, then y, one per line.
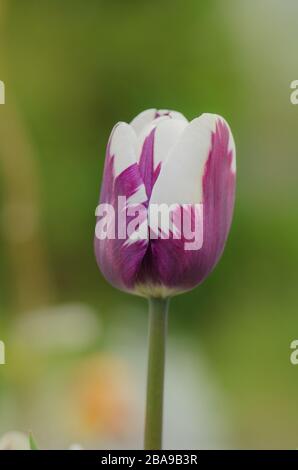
pixel 180 179
pixel 177 115
pixel 162 112
pixel 146 131
pixel 168 131
pixel 123 143
pixel 232 147
pixel 170 113
pixel 142 120
pixel 167 134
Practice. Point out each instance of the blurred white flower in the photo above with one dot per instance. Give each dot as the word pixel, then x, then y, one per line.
pixel 75 447
pixel 14 441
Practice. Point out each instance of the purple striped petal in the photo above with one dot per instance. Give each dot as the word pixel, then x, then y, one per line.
pixel 119 260
pixel 167 263
pixel 146 164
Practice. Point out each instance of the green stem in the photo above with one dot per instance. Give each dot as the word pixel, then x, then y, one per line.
pixel 158 310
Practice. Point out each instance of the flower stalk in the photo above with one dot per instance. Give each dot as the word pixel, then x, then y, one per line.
pixel 158 312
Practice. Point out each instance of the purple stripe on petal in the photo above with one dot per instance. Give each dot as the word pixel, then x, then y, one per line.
pixel 161 113
pixel 118 260
pixel 167 262
pixel 107 178
pixel 219 194
pixel 146 164
pixel 128 182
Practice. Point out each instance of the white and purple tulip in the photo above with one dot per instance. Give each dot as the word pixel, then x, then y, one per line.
pixel 162 158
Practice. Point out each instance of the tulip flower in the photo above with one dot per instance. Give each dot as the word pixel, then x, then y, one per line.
pixel 162 159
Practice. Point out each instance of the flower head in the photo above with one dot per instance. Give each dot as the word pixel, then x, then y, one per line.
pixel 161 160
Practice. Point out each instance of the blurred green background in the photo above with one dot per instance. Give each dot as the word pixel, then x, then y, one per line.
pixel 75 347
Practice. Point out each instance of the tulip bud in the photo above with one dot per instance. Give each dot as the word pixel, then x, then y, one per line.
pixel 160 160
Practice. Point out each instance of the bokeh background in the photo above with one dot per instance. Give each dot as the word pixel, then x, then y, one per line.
pixel 75 347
